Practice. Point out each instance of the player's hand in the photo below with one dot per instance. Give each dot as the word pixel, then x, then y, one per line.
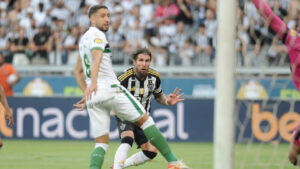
pixel 175 97
pixel 80 105
pixel 89 91
pixel 9 117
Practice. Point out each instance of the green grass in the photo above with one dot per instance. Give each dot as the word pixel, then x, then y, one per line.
pixel 51 154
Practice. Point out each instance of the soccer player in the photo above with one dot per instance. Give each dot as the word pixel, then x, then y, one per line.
pixel 7 111
pixel 141 81
pixel 292 40
pixel 104 93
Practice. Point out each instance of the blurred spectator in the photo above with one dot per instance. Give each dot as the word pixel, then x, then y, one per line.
pixel 242 33
pixel 3 12
pixel 159 54
pixel 8 76
pixel 128 5
pixel 19 48
pixel 35 4
pixel 177 42
pixel 134 37
pixel 70 46
pixel 166 9
pixel 211 29
pixel 203 48
pixel 117 42
pixel 258 55
pixel 28 23
pixel 4 42
pixel 83 19
pixel 185 15
pixel 55 42
pixel 277 54
pixel 73 5
pixel 60 26
pixel 166 31
pixel 186 53
pixel 201 5
pixel 147 14
pixel 59 11
pixel 40 15
pixel 40 46
pixel 15 14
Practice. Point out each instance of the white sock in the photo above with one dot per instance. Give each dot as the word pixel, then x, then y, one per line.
pixel 104 146
pixel 136 159
pixel 121 155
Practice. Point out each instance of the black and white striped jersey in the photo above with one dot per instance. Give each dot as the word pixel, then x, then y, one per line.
pixel 142 89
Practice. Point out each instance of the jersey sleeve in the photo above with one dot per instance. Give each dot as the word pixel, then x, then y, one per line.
pixel 98 41
pixel 123 78
pixel 158 88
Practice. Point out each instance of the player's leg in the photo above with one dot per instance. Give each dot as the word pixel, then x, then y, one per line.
pixel 148 151
pixel 294 151
pixel 97 155
pixel 128 108
pixel 126 134
pixel 100 123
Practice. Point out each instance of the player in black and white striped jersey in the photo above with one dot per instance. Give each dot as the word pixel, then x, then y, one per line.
pixel 142 89
pixel 141 81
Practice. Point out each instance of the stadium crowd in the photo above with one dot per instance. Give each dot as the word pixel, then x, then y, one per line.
pixel 178 32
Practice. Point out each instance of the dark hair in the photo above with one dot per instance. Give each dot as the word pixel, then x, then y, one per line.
pixel 93 9
pixel 144 51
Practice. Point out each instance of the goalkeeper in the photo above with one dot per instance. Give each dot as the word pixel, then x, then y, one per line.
pixel 288 36
pixel 292 40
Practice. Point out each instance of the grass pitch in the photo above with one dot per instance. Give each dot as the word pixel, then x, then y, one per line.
pixel 52 154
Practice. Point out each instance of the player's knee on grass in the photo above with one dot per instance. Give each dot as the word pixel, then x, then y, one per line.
pixel 128 140
pixel 150 154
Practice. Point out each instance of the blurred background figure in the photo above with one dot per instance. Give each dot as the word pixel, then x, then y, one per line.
pixel 8 77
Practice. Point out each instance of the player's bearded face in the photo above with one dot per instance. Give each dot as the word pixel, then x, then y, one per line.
pixel 102 19
pixel 142 64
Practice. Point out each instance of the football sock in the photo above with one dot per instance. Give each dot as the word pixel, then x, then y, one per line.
pixel 157 139
pixel 139 158
pixel 97 158
pixel 122 151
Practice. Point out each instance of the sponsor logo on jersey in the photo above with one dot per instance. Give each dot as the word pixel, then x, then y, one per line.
pixel 293 33
pixel 97 40
pixel 142 91
pixel 132 89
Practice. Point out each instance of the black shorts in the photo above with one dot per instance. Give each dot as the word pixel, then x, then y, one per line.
pixel 139 136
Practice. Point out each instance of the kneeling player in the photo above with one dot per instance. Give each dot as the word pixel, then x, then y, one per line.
pixel 141 81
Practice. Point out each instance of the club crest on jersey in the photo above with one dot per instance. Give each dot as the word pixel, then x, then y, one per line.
pixel 97 40
pixel 150 85
pixel 122 126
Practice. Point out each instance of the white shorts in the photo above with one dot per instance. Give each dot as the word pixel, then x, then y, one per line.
pixel 115 98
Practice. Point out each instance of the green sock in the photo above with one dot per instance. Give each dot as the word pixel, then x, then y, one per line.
pixel 158 140
pixel 97 158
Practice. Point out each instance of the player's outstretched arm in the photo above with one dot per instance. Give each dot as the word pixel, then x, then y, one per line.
pixel 172 99
pixel 8 112
pixel 275 22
